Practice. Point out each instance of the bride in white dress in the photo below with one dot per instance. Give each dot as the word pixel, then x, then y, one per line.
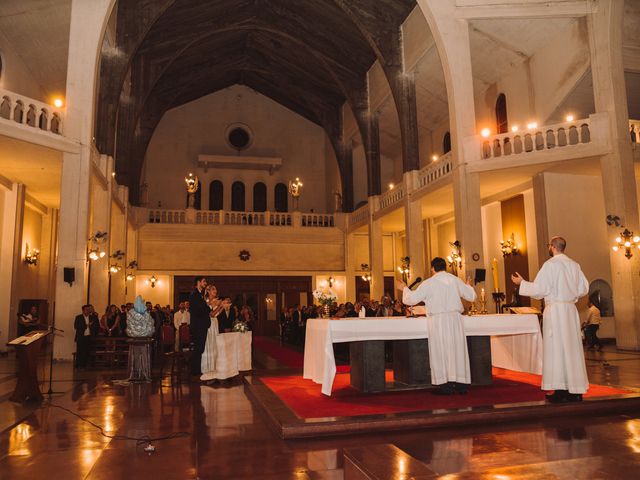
pixel 219 359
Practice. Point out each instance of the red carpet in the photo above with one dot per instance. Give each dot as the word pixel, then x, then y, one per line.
pixel 306 400
pixel 285 354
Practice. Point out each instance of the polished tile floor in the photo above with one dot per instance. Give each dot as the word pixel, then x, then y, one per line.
pixel 228 439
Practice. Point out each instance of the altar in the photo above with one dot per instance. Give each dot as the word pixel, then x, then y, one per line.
pixel 515 340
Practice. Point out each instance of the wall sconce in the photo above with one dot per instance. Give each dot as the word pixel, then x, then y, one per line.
pixel 114 268
pixel 94 252
pixel 455 259
pixel 32 256
pixel 331 281
pixel 133 265
pixel 405 268
pixel 153 281
pixel 366 276
pixel 268 300
pixel 627 240
pixel 117 255
pixel 508 246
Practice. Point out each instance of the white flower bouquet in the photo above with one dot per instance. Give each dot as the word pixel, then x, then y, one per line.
pixel 324 298
pixel 241 327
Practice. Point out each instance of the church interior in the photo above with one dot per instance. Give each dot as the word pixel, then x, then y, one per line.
pixel 289 150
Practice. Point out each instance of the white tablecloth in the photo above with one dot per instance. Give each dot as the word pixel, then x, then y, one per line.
pixel 516 341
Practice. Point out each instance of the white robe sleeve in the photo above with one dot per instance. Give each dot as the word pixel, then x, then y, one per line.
pixel 413 297
pixel 584 285
pixel 540 287
pixel 466 291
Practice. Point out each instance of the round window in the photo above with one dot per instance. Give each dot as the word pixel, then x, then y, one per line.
pixel 239 137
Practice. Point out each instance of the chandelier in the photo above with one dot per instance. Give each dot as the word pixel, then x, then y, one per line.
pixel 192 183
pixel 405 268
pixel 508 246
pixel 455 258
pixel 626 241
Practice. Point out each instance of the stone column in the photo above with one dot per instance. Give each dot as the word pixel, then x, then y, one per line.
pixel 618 177
pixel 413 227
pixel 10 249
pixel 100 216
pixel 350 267
pixel 87 26
pixel 376 254
pixel 451 35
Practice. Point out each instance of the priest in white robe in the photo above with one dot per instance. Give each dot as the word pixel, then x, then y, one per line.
pixel 560 282
pixel 448 354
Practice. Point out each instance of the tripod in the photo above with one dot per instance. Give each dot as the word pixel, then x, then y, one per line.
pixel 53 331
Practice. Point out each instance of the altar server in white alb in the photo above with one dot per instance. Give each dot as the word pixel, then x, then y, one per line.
pixel 448 353
pixel 560 282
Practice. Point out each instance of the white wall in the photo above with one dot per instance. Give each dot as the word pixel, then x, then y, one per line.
pixel 199 128
pixel 16 76
pixel 575 211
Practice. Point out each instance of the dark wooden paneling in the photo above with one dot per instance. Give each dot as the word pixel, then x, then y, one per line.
pixel 513 221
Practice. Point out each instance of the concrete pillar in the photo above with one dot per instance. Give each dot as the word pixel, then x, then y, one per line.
pixel 618 176
pixel 376 254
pixel 10 249
pixel 100 215
pixel 413 227
pixel 87 27
pixel 350 267
pixel 451 35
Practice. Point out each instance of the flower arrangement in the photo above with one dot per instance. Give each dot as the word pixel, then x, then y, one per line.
pixel 241 327
pixel 323 298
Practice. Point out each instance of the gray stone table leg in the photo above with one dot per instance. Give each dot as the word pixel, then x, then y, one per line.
pixel 367 366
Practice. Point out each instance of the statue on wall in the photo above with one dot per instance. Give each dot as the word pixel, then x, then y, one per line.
pixel 338 201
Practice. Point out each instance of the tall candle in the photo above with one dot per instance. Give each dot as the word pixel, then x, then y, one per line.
pixel 482 298
pixel 494 270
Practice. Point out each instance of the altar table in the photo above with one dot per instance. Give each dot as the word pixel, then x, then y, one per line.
pixel 516 341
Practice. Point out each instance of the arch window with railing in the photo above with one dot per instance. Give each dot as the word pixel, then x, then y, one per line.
pixel 281 194
pixel 502 123
pixel 237 197
pixel 216 195
pixel 259 197
pixel 446 143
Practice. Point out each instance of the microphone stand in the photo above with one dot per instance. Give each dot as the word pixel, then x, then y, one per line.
pixel 53 331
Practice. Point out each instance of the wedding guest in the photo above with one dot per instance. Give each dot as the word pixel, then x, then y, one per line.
pixel 227 316
pixel 298 324
pixel 341 312
pixel 246 316
pixel 398 309
pixel 110 321
pixel 350 310
pixel 182 316
pixel 592 323
pixel 86 326
pixel 385 309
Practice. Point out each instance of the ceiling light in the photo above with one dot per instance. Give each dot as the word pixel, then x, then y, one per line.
pixel 569 118
pixel 514 128
pixel 485 132
pixel 58 103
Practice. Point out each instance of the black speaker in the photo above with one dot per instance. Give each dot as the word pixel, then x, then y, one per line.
pixel 69 275
pixel 480 275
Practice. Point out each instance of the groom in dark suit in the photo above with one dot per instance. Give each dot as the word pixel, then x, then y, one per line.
pixel 200 323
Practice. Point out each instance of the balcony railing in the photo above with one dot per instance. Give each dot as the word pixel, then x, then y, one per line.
pixel 359 217
pixel 29 112
pixel 440 168
pixel 223 217
pixel 538 140
pixel 392 196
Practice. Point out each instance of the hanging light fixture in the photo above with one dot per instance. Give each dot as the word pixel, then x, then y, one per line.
pixel 508 246
pixel 152 281
pixel 626 241
pixel 366 275
pixel 405 268
pixel 32 256
pixel 455 258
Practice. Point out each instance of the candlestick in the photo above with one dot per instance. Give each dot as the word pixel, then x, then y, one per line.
pixel 482 297
pixel 494 271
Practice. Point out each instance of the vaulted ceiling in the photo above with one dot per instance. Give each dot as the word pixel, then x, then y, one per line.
pixel 309 56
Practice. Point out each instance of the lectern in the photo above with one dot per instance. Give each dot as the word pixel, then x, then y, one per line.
pixel 27 351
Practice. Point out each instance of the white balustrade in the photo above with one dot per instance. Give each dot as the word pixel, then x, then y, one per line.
pixel 392 196
pixel 30 112
pixel 167 216
pixel 318 220
pixel 440 168
pixel 537 140
pixel 360 216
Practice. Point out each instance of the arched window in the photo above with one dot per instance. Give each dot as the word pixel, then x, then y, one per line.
pixel 5 108
pixel 502 124
pixel 237 197
pixel 446 143
pixel 259 197
pixel 281 198
pixel 216 195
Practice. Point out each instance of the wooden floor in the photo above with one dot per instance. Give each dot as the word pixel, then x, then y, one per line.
pixel 228 437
